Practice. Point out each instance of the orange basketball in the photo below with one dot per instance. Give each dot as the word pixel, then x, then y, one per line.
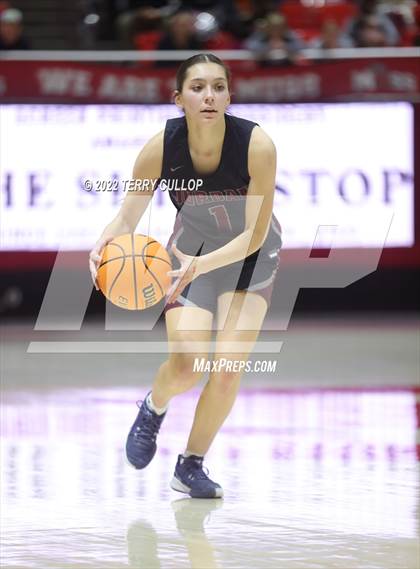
pixel 132 272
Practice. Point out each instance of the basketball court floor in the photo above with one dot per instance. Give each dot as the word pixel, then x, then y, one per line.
pixel 318 460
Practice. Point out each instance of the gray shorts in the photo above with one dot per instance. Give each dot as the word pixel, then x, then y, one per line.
pixel 256 274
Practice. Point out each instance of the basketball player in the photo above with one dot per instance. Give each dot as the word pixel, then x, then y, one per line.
pixel 225 243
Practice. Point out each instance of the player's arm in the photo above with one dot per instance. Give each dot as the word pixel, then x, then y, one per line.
pixel 147 168
pixel 259 204
pixel 262 165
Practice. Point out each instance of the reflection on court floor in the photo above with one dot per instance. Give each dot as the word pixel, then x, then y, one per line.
pixel 312 479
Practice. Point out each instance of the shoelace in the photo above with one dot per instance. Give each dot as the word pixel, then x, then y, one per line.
pixel 151 427
pixel 197 471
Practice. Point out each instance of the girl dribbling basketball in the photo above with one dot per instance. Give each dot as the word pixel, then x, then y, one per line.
pixel 224 247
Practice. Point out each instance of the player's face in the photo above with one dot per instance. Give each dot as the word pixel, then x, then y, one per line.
pixel 205 93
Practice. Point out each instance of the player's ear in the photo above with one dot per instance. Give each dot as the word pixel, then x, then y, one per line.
pixel 229 97
pixel 178 100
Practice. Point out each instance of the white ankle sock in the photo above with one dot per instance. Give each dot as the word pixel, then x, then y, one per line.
pixel 187 453
pixel 152 406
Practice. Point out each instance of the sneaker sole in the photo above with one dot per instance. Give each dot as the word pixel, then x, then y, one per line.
pixel 139 467
pixel 178 486
pixel 136 467
pixel 130 464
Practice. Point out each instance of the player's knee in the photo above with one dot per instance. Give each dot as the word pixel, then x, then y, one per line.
pixel 183 369
pixel 225 381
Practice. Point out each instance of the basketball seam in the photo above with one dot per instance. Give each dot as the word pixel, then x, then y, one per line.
pixel 115 245
pixel 137 255
pixel 147 268
pixel 116 277
pixel 134 270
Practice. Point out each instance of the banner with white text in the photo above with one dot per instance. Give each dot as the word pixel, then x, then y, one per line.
pixel 347 166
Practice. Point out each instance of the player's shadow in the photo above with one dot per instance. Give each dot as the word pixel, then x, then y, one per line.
pixel 191 518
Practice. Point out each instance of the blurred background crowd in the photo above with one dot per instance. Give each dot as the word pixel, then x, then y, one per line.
pixel 286 27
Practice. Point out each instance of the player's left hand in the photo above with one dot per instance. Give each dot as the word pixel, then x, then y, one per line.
pixel 187 272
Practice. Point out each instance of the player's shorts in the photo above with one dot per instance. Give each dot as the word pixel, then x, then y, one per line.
pixel 257 275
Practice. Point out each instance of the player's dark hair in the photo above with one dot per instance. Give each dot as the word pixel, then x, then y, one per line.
pixel 199 58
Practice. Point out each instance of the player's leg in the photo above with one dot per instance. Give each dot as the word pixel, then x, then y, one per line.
pixel 240 318
pixel 174 376
pixel 220 392
pixel 177 374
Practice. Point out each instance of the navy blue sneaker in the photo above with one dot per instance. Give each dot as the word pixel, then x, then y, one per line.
pixel 190 478
pixel 141 441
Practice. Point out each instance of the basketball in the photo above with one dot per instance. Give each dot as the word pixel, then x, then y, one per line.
pixel 133 271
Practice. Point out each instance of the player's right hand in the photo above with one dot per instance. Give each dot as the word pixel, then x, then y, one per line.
pixel 95 257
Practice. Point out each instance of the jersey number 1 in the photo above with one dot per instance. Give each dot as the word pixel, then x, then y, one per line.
pixel 219 212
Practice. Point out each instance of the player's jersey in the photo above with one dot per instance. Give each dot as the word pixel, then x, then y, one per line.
pixel 212 214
